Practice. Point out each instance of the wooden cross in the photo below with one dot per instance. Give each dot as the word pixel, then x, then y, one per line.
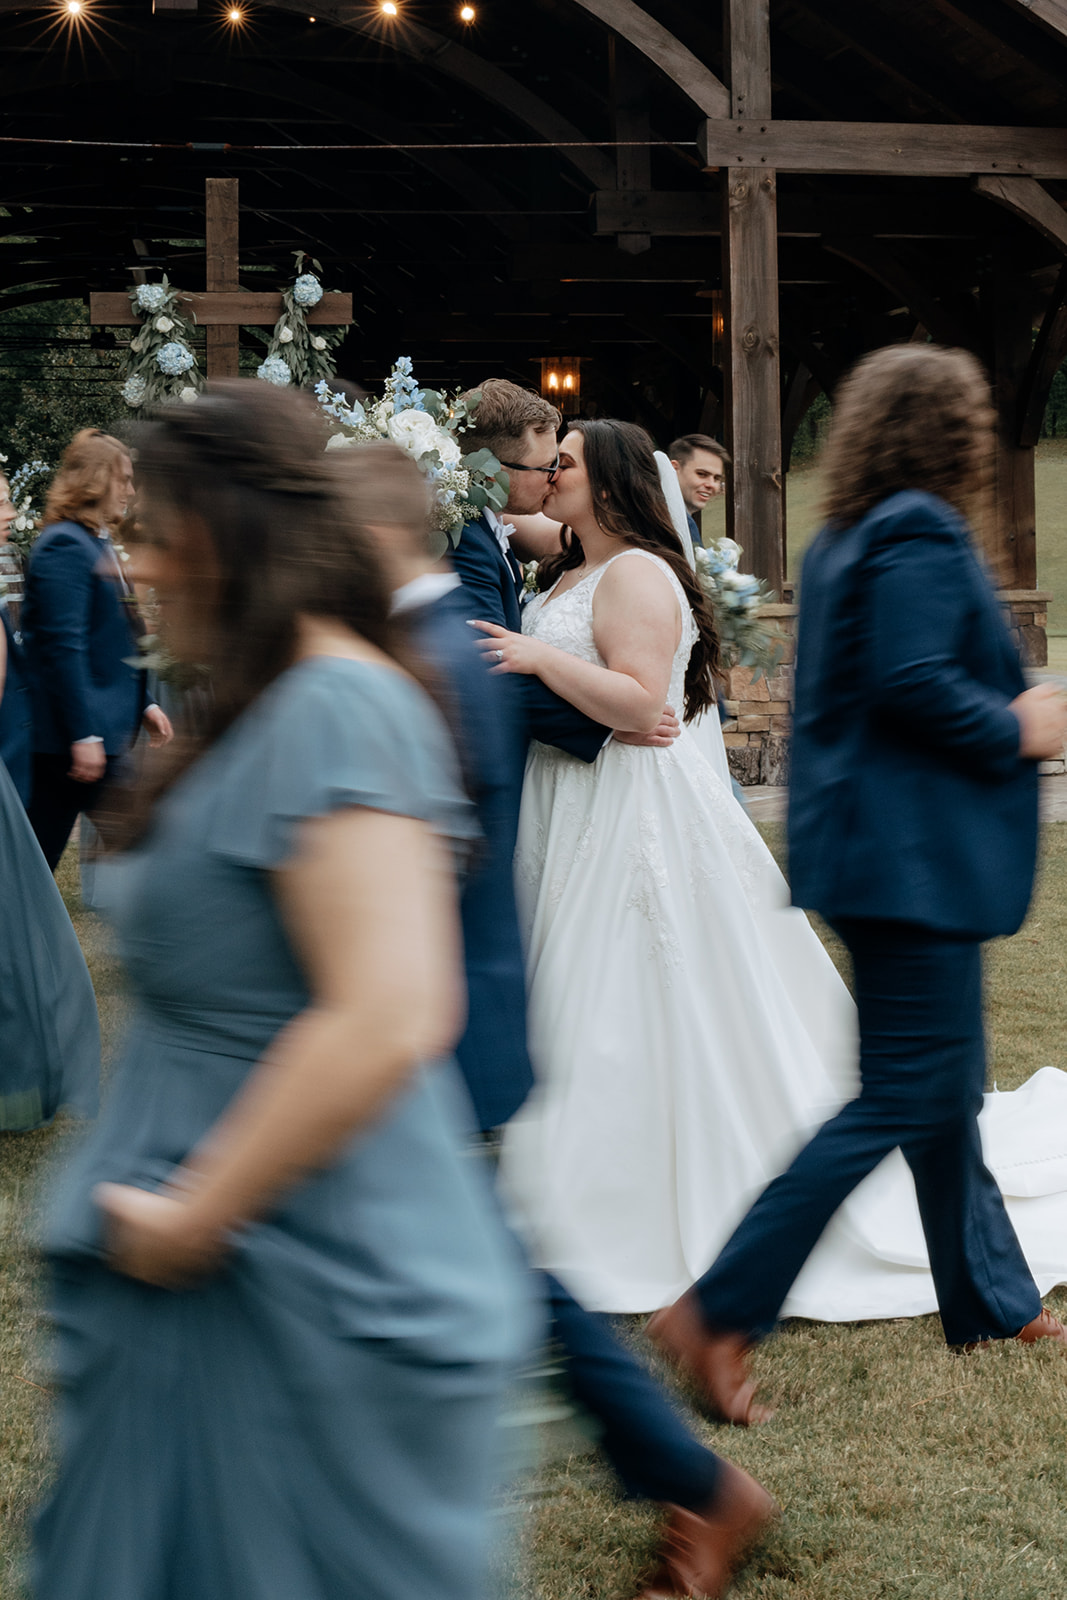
pixel 225 306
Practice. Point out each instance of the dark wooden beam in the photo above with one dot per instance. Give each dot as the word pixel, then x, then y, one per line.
pixel 1049 354
pixel 630 109
pixel 1008 307
pixel 910 149
pixel 1051 14
pixel 1025 198
pixel 666 51
pixel 755 511
pixel 691 214
pixel 217 310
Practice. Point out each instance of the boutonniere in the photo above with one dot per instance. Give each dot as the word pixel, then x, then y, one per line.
pixel 529 579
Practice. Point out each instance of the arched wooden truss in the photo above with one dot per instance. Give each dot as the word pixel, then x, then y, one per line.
pixel 846 175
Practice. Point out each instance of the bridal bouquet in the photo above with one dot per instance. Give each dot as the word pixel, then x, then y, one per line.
pixel 430 427
pixel 736 599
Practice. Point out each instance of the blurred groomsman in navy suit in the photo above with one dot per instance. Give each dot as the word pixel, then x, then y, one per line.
pixel 713 1506
pixel 80 630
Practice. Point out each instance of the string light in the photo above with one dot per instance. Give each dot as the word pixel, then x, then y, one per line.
pixel 73 8
pixel 390 8
pixel 467 14
pixel 235 15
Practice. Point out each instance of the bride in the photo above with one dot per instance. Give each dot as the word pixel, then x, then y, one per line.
pixel 689 1030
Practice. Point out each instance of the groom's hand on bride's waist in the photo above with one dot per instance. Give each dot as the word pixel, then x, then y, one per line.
pixel 664 733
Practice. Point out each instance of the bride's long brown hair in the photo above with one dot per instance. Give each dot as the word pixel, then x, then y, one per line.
pixel 629 505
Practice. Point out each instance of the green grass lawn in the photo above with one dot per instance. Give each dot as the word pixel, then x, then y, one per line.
pixel 904 1472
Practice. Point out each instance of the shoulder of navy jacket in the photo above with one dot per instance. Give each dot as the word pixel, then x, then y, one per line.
pixel 915 513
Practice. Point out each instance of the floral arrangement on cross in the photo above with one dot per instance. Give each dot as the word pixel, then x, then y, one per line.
pixel 21 486
pixel 429 425
pixel 297 354
pixel 160 364
pixel 736 600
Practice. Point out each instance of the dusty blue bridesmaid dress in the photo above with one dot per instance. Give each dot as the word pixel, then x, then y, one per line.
pixel 316 1422
pixel 49 1035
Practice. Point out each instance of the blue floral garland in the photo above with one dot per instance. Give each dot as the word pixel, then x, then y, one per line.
pixel 160 364
pixel 296 354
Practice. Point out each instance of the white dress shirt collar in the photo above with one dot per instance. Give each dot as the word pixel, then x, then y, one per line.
pixel 423 591
pixel 502 530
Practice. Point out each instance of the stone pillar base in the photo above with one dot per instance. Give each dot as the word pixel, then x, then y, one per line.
pixel 757 732
pixel 1026 613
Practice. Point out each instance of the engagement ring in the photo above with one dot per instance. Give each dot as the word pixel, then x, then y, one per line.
pixel 499 654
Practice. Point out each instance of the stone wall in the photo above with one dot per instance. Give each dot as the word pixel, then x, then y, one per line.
pixel 757 732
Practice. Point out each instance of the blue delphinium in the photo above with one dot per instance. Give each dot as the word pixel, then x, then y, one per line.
pixel 174 359
pixel 150 297
pixel 307 290
pixel 407 396
pixel 275 370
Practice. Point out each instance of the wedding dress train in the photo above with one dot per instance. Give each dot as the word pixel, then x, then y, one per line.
pixel 690 1032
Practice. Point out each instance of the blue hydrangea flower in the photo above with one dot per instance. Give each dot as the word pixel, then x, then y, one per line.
pixel 174 359
pixel 150 297
pixel 275 370
pixel 134 390
pixel 307 290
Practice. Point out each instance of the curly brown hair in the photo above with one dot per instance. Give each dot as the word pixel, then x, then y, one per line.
pixel 911 416
pixel 630 505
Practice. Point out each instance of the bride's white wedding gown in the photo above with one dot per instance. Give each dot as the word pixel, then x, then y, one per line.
pixel 690 1032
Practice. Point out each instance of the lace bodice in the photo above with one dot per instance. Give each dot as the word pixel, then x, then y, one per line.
pixel 567 622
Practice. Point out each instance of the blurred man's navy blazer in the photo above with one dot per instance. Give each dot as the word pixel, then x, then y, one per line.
pixel 492 1053
pixel 79 641
pixel 16 714
pixel 908 799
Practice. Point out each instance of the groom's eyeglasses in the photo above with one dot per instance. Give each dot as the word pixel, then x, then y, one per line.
pixel 516 466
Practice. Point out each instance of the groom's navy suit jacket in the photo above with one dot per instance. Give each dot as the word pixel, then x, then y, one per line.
pixel 492 1053
pixel 16 714
pixel 494 584
pixel 908 798
pixel 79 641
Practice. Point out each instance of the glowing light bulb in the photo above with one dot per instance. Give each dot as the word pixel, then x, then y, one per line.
pixel 73 8
pixel 467 13
pixel 390 8
pixel 553 380
pixel 235 14
pixel 568 382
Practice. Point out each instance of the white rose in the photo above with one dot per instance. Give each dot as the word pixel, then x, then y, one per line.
pixel 163 324
pixel 448 449
pixel 732 580
pixel 339 441
pixel 318 343
pixel 415 431
pixel 286 336
pixel 188 395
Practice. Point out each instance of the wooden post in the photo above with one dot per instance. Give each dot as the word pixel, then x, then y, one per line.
pixel 755 510
pixel 629 91
pixel 221 232
pixel 1010 322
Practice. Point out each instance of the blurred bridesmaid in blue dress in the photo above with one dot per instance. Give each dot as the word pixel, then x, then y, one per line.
pixel 285 1308
pixel 49 1036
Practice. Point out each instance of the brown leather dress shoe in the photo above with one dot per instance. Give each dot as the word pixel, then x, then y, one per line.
pixel 716 1362
pixel 701 1551
pixel 1045 1326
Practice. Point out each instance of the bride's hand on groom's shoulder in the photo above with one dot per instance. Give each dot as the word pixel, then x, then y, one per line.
pixel 510 652
pixel 663 734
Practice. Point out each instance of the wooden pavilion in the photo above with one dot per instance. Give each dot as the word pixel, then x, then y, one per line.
pixel 714 207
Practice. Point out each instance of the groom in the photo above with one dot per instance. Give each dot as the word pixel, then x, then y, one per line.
pixel 715 1510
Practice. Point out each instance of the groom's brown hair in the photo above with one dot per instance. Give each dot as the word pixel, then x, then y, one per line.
pixel 502 415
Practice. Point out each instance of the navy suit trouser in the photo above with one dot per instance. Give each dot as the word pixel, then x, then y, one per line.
pixel 57 800
pixel 644 1438
pixel 922 1073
